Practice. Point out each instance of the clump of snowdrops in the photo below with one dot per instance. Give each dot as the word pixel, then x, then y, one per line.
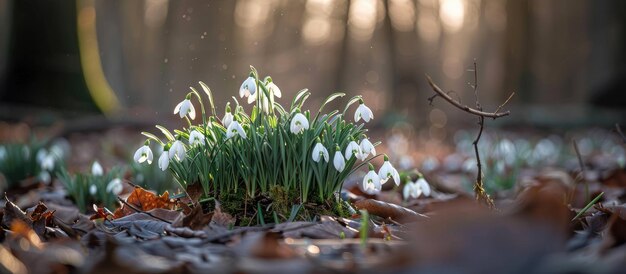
pixel 94 188
pixel 33 160
pixel 273 146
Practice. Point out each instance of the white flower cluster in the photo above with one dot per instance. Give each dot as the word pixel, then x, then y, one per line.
pixel 114 186
pixel 298 124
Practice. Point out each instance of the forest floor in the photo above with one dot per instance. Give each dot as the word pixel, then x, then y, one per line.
pixel 556 211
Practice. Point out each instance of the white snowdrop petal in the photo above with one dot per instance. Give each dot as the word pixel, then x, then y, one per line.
pixel 164 161
pixel 96 169
pixel 339 161
pixel 93 189
pixel 177 108
pixel 192 111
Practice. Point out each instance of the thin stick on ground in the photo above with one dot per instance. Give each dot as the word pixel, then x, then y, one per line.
pixel 141 211
pixel 479 190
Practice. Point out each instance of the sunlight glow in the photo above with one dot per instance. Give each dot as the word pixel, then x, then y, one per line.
pixel 402 14
pixel 96 81
pixel 452 14
pixel 362 19
pixel 316 30
pixel 155 12
pixel 317 26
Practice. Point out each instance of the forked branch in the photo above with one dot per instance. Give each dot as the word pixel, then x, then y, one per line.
pixel 479 190
pixel 457 104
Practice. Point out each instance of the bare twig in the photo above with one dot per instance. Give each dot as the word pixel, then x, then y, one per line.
pixel 479 189
pixel 141 211
pixel 445 96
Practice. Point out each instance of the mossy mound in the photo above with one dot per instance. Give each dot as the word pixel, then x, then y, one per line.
pixel 276 206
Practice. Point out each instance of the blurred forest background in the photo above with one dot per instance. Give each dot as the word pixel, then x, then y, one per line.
pixel 566 60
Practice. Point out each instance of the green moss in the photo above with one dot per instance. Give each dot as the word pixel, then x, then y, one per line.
pixel 278 201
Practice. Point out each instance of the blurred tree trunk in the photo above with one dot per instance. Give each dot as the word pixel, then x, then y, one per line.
pixel 43 67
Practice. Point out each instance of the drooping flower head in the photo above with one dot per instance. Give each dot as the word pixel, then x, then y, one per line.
pixel 371 181
pixel 228 116
pixel 93 189
pixel 196 138
pixel 248 89
pixel 143 154
pixel 363 112
pixel 416 189
pixel 298 123
pixel 387 171
pixel 273 88
pixel 367 148
pixel 164 160
pixel 352 149
pixel 48 162
pixel 186 108
pixel 96 169
pixel 319 152
pixel 338 161
pixel 235 129
pixel 115 186
pixel 177 150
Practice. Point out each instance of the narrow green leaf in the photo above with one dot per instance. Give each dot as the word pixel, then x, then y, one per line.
pixel 582 211
pixel 166 132
pixel 152 137
pixel 207 90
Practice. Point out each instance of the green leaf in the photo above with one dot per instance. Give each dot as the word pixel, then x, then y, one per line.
pixel 152 137
pixel 352 101
pixel 582 211
pixel 207 90
pixel 294 212
pixel 166 132
pixel 299 96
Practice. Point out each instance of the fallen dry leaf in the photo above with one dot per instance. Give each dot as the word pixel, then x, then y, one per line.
pixel 386 210
pixel 12 212
pixel 144 200
pixel 22 230
pixel 195 220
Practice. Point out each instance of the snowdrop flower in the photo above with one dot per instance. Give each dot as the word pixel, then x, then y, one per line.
pixel 177 150
pixel 387 171
pixel 93 189
pixel 338 161
pixel 363 112
pixel 371 181
pixel 143 154
pixel 265 106
pixel 235 129
pixel 196 138
pixel 41 155
pixel 352 149
pixel 273 88
pixel 115 186
pixel 48 162
pixel 319 151
pixel 96 169
pixel 228 117
pixel 186 107
pixel 367 148
pixel 44 177
pixel 299 123
pixel 248 89
pixel 416 189
pixel 164 160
